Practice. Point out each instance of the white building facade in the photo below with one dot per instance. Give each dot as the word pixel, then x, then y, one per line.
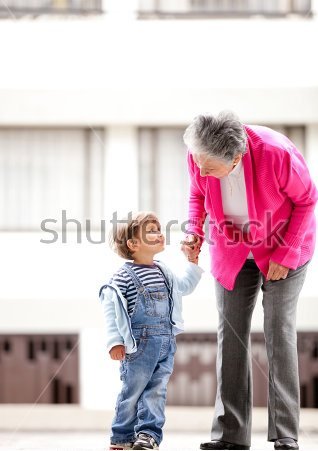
pixel 92 111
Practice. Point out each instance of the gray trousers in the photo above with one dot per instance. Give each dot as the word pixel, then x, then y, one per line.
pixel 233 404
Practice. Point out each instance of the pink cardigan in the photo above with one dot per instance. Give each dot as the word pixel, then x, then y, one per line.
pixel 281 198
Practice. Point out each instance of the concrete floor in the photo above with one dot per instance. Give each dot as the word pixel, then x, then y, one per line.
pixel 98 441
pixel 70 428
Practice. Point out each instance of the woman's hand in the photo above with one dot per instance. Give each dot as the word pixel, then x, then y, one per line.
pixel 191 247
pixel 276 271
pixel 118 352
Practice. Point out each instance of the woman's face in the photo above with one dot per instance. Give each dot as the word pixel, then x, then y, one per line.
pixel 210 166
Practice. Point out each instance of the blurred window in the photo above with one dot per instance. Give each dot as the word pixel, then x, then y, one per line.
pixel 163 173
pixel 217 8
pixel 45 171
pixel 17 7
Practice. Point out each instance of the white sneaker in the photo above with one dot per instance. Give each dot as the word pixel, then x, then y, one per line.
pixel 145 441
pixel 120 446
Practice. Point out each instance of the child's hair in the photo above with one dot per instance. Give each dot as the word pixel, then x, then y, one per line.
pixel 127 229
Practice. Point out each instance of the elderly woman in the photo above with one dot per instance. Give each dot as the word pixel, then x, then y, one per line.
pixel 255 186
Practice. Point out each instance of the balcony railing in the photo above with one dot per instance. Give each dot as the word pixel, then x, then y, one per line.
pixel 16 8
pixel 222 8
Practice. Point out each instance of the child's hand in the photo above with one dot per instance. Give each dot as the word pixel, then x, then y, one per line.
pixel 191 248
pixel 118 352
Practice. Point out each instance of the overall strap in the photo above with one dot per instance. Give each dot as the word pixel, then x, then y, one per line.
pixel 166 280
pixel 134 277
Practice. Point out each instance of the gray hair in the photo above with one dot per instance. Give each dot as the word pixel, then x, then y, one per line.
pixel 222 137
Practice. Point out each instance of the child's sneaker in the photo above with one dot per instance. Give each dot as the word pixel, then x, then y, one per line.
pixel 145 441
pixel 120 446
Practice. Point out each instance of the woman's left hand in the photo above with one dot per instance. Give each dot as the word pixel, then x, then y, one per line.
pixel 276 271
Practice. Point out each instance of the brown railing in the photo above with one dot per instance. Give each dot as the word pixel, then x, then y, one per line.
pixel 165 9
pixel 193 381
pixel 16 8
pixel 39 368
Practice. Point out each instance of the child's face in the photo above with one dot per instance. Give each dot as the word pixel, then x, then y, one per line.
pixel 150 239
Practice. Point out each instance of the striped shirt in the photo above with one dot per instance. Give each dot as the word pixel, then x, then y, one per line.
pixel 149 276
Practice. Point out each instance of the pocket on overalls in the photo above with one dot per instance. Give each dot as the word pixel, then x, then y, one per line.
pixel 141 345
pixel 160 301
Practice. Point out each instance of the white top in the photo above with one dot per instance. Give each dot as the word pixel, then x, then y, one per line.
pixel 234 199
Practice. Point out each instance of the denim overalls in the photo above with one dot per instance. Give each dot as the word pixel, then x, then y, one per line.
pixel 145 373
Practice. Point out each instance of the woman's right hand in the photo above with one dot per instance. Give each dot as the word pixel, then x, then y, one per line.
pixel 118 352
pixel 191 247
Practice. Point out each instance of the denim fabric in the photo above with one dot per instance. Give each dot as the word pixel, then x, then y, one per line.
pixel 117 320
pixel 146 372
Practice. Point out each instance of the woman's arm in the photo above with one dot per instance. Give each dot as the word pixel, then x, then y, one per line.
pixel 295 181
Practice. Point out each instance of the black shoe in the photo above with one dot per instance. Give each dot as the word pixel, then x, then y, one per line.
pixel 145 441
pixel 219 444
pixel 286 443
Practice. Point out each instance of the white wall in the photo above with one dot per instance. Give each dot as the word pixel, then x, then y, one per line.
pixel 159 106
pixel 101 52
pixel 117 73
pixel 121 71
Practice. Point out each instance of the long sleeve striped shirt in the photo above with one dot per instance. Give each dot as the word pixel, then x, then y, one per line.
pixel 149 275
